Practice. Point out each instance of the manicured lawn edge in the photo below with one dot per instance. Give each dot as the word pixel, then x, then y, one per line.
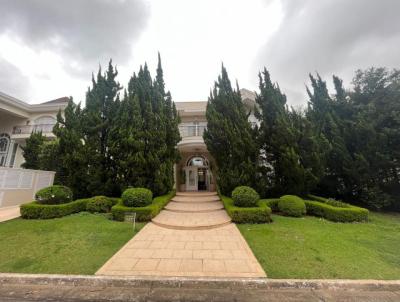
pixel 142 213
pixel 260 214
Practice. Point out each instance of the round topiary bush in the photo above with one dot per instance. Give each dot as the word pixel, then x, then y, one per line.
pixel 137 197
pixel 244 196
pixel 292 205
pixel 99 204
pixel 54 195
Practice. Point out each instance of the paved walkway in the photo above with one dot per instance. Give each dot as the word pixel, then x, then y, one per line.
pixel 9 213
pixel 192 236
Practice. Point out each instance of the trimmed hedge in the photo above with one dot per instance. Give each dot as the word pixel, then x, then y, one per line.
pixel 292 205
pixel 332 202
pixel 137 197
pixel 244 196
pixel 142 213
pixel 100 204
pixel 337 214
pixel 259 214
pixel 54 195
pixel 35 210
pixel 271 203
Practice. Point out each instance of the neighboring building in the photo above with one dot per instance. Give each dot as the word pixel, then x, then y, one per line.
pixel 194 172
pixel 18 120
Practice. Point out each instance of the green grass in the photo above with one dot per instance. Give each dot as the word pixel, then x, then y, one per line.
pixel 315 248
pixel 75 244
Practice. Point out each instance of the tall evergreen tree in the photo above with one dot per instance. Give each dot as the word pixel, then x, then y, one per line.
pixel 229 136
pixel 278 139
pixel 127 143
pixel 153 125
pixel 31 150
pixel 72 156
pixel 102 102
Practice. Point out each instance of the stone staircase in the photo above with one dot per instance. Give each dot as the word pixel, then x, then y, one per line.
pixel 193 211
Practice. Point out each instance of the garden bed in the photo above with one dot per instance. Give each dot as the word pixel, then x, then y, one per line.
pixel 119 211
pixel 259 214
pixel 343 213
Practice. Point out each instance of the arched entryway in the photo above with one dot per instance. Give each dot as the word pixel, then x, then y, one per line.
pixel 197 174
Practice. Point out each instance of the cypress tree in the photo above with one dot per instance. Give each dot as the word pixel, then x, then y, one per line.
pixel 102 102
pixel 126 143
pixel 158 130
pixel 282 168
pixel 31 150
pixel 72 156
pixel 229 136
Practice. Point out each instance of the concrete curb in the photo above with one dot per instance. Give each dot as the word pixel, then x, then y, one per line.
pixel 196 283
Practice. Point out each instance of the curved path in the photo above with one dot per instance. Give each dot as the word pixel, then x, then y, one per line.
pixel 192 236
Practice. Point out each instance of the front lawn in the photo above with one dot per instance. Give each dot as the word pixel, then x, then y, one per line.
pixel 310 247
pixel 75 244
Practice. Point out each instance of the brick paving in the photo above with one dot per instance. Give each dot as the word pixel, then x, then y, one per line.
pixel 191 243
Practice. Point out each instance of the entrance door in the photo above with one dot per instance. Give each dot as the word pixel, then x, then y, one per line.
pixel 191 179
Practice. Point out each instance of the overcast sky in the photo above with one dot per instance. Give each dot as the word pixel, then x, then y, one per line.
pixel 49 49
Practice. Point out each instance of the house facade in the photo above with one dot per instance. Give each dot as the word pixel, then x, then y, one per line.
pixel 18 120
pixel 195 170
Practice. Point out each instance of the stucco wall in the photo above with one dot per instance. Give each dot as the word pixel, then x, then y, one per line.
pixel 18 186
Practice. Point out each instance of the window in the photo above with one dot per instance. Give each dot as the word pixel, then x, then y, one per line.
pixel 45 120
pixel 4 144
pixel 44 124
pixel 197 161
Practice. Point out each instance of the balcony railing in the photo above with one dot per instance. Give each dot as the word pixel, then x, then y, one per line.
pixel 193 130
pixel 28 129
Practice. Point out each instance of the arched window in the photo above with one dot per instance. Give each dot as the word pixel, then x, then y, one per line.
pixel 197 161
pixel 45 120
pixel 44 124
pixel 4 142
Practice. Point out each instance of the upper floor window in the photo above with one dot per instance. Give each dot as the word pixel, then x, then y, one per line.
pixel 45 120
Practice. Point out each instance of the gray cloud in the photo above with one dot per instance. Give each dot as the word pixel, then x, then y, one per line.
pixel 331 37
pixel 12 81
pixel 86 32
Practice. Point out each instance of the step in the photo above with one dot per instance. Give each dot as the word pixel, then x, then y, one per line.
pixel 196 193
pixel 195 199
pixel 195 207
pixel 191 221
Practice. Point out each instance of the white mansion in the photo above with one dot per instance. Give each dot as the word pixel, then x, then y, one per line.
pixel 18 119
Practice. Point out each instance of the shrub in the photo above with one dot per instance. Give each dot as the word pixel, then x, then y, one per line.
pixel 35 210
pixel 337 214
pixel 244 196
pixel 99 204
pixel 137 197
pixel 291 205
pixel 54 195
pixel 330 201
pixel 271 203
pixel 259 214
pixel 336 203
pixel 142 213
